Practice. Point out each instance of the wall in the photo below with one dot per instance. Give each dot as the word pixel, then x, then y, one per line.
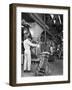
pixel 4 45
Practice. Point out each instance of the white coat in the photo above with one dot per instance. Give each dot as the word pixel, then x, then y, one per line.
pixel 27 53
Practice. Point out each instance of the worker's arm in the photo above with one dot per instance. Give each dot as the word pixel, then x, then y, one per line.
pixel 31 44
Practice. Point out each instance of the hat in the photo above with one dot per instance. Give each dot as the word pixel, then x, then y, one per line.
pixel 26 26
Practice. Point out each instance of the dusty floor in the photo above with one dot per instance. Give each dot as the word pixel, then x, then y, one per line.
pixel 55 68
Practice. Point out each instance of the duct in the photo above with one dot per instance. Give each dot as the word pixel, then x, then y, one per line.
pixel 42 24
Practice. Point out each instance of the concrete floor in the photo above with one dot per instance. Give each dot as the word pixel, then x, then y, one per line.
pixel 55 68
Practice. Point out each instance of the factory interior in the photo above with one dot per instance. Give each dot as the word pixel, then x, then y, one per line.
pixel 47 30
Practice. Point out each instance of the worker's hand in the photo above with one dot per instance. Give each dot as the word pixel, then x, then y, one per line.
pixel 38 46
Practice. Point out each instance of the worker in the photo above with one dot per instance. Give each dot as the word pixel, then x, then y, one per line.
pixel 27 52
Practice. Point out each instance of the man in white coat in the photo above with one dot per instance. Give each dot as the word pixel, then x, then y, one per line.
pixel 27 53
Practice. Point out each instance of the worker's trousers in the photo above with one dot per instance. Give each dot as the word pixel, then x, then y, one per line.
pixel 27 60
